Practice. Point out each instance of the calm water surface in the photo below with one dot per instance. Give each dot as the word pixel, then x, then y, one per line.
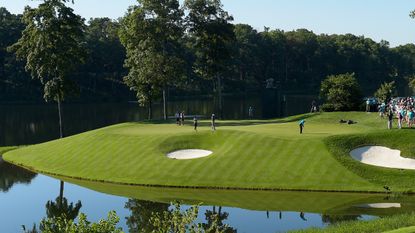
pixel 24 204
pixel 23 195
pixel 31 124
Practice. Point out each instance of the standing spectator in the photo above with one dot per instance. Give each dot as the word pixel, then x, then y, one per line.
pixel 195 123
pixel 400 118
pixel 177 116
pixel 213 121
pixel 390 118
pixel 313 106
pixel 382 108
pixel 182 118
pixel 368 105
pixel 411 115
pixel 250 112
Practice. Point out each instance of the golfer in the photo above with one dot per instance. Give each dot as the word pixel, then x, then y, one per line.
pixel 213 119
pixel 195 123
pixel 301 123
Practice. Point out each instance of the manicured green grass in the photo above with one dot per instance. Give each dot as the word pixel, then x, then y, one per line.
pixel 375 226
pixel 247 154
pixel 403 230
pixel 6 149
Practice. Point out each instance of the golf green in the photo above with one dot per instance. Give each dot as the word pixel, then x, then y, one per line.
pixel 263 154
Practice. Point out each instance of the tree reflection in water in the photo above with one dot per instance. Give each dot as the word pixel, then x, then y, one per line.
pixel 333 219
pixel 141 213
pixel 215 221
pixel 11 175
pixel 60 208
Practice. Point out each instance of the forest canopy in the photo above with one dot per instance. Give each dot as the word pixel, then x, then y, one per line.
pixel 297 60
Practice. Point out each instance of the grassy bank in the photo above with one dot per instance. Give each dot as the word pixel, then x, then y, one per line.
pixel 403 230
pixel 398 223
pixel 246 154
pixel 6 149
pixel 327 203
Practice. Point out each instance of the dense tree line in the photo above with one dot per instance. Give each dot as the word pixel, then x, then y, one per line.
pixel 298 60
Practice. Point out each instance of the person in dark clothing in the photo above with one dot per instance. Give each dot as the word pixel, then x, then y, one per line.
pixel 182 118
pixel 390 118
pixel 213 121
pixel 177 115
pixel 251 112
pixel 195 123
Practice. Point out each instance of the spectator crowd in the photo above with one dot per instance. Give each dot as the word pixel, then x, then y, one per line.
pixel 400 108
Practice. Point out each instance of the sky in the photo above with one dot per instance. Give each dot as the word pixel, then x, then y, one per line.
pixel 377 19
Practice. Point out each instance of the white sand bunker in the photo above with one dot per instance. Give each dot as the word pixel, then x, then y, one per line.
pixel 382 157
pixel 189 154
pixel 382 205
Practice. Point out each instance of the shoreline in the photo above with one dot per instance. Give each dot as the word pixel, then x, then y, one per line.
pixel 58 176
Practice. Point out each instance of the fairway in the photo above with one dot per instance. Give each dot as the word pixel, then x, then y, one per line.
pixel 246 155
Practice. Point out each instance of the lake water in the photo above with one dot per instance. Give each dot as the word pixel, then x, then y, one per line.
pixel 31 124
pixel 24 195
pixel 23 202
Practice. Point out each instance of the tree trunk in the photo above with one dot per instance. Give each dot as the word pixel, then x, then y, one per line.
pixel 61 193
pixel 60 117
pixel 150 109
pixel 219 87
pixel 61 136
pixel 164 104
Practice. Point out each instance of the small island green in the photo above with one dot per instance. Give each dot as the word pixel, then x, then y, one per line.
pixel 248 154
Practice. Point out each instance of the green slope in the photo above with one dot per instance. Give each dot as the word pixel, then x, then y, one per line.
pixel 247 154
pixel 403 230
pixel 332 203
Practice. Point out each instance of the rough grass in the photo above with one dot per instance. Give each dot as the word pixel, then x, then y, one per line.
pixel 375 226
pixel 403 230
pixel 247 154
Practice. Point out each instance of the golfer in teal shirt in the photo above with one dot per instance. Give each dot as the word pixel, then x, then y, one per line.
pixel 302 122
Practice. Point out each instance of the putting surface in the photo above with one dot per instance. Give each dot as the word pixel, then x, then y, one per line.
pixel 246 154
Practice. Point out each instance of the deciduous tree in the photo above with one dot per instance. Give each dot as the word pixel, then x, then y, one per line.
pixel 209 25
pixel 385 91
pixel 151 33
pixel 341 92
pixel 51 45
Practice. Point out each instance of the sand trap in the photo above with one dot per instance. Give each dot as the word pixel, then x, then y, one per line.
pixel 382 205
pixel 189 154
pixel 382 157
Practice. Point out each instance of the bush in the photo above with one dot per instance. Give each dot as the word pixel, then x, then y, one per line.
pixel 340 93
pixel 63 225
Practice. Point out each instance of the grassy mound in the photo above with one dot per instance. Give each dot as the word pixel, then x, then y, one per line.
pixel 246 154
